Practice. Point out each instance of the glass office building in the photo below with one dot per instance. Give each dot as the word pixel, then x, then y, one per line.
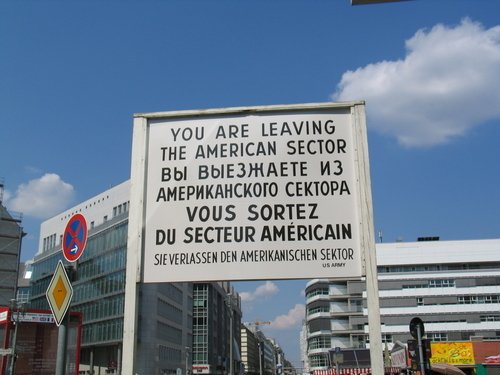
pixel 165 312
pixel 216 326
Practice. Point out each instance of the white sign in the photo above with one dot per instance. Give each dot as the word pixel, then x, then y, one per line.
pixel 32 317
pixel 7 351
pixel 203 369
pixel 259 193
pixel 398 358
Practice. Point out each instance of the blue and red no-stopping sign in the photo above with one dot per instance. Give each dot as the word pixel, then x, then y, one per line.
pixel 74 238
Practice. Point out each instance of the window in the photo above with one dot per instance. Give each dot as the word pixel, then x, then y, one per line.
pixel 441 283
pixel 386 338
pixel 490 318
pixel 420 301
pixel 470 300
pixel 320 342
pixel 414 286
pixel 317 292
pixel 437 336
pixel 318 360
pixel 316 310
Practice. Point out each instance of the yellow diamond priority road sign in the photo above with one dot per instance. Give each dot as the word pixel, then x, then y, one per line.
pixel 59 293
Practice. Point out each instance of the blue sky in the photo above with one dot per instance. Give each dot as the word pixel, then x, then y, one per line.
pixel 73 73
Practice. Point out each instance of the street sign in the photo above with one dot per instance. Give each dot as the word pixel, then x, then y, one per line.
pixel 416 326
pixel 59 293
pixel 278 192
pixel 75 238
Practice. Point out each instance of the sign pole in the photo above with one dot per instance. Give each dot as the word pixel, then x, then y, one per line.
pixel 421 351
pixel 134 248
pixel 368 239
pixel 62 338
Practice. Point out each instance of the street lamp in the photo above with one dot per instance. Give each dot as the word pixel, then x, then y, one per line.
pixel 19 309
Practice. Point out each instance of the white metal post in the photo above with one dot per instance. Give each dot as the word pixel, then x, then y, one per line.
pixel 134 247
pixel 370 258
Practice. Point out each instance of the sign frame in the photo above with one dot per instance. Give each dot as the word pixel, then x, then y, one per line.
pixel 135 268
pixel 201 251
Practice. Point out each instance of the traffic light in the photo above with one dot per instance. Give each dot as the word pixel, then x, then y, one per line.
pixel 414 353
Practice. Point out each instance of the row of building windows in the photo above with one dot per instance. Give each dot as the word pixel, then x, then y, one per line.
pixel 318 360
pixel 435 283
pixel 490 318
pixel 108 262
pixel 113 283
pixel 468 300
pixel 45 268
pixel 104 308
pixel 110 330
pixel 49 242
pixel 169 311
pixel 319 309
pixel 121 209
pixel 172 291
pixel 320 342
pixel 386 338
pixel 168 333
pixel 112 238
pixel 169 354
pixel 437 336
pixel 437 267
pixel 478 299
pixel 87 206
pixel 318 292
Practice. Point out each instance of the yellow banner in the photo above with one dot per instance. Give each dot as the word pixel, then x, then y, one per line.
pixel 454 353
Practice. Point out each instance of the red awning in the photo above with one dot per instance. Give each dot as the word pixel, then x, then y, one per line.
pixel 492 360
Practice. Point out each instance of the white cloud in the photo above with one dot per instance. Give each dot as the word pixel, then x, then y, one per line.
pixel 267 289
pixel 41 198
pixel 294 317
pixel 446 85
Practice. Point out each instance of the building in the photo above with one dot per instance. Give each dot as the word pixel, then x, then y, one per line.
pixel 261 355
pixel 11 234
pixel 216 334
pixel 172 332
pixel 165 309
pixel 453 286
pixel 250 353
pixel 303 349
pixel 23 283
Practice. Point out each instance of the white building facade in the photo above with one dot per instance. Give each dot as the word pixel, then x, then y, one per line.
pixel 453 286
